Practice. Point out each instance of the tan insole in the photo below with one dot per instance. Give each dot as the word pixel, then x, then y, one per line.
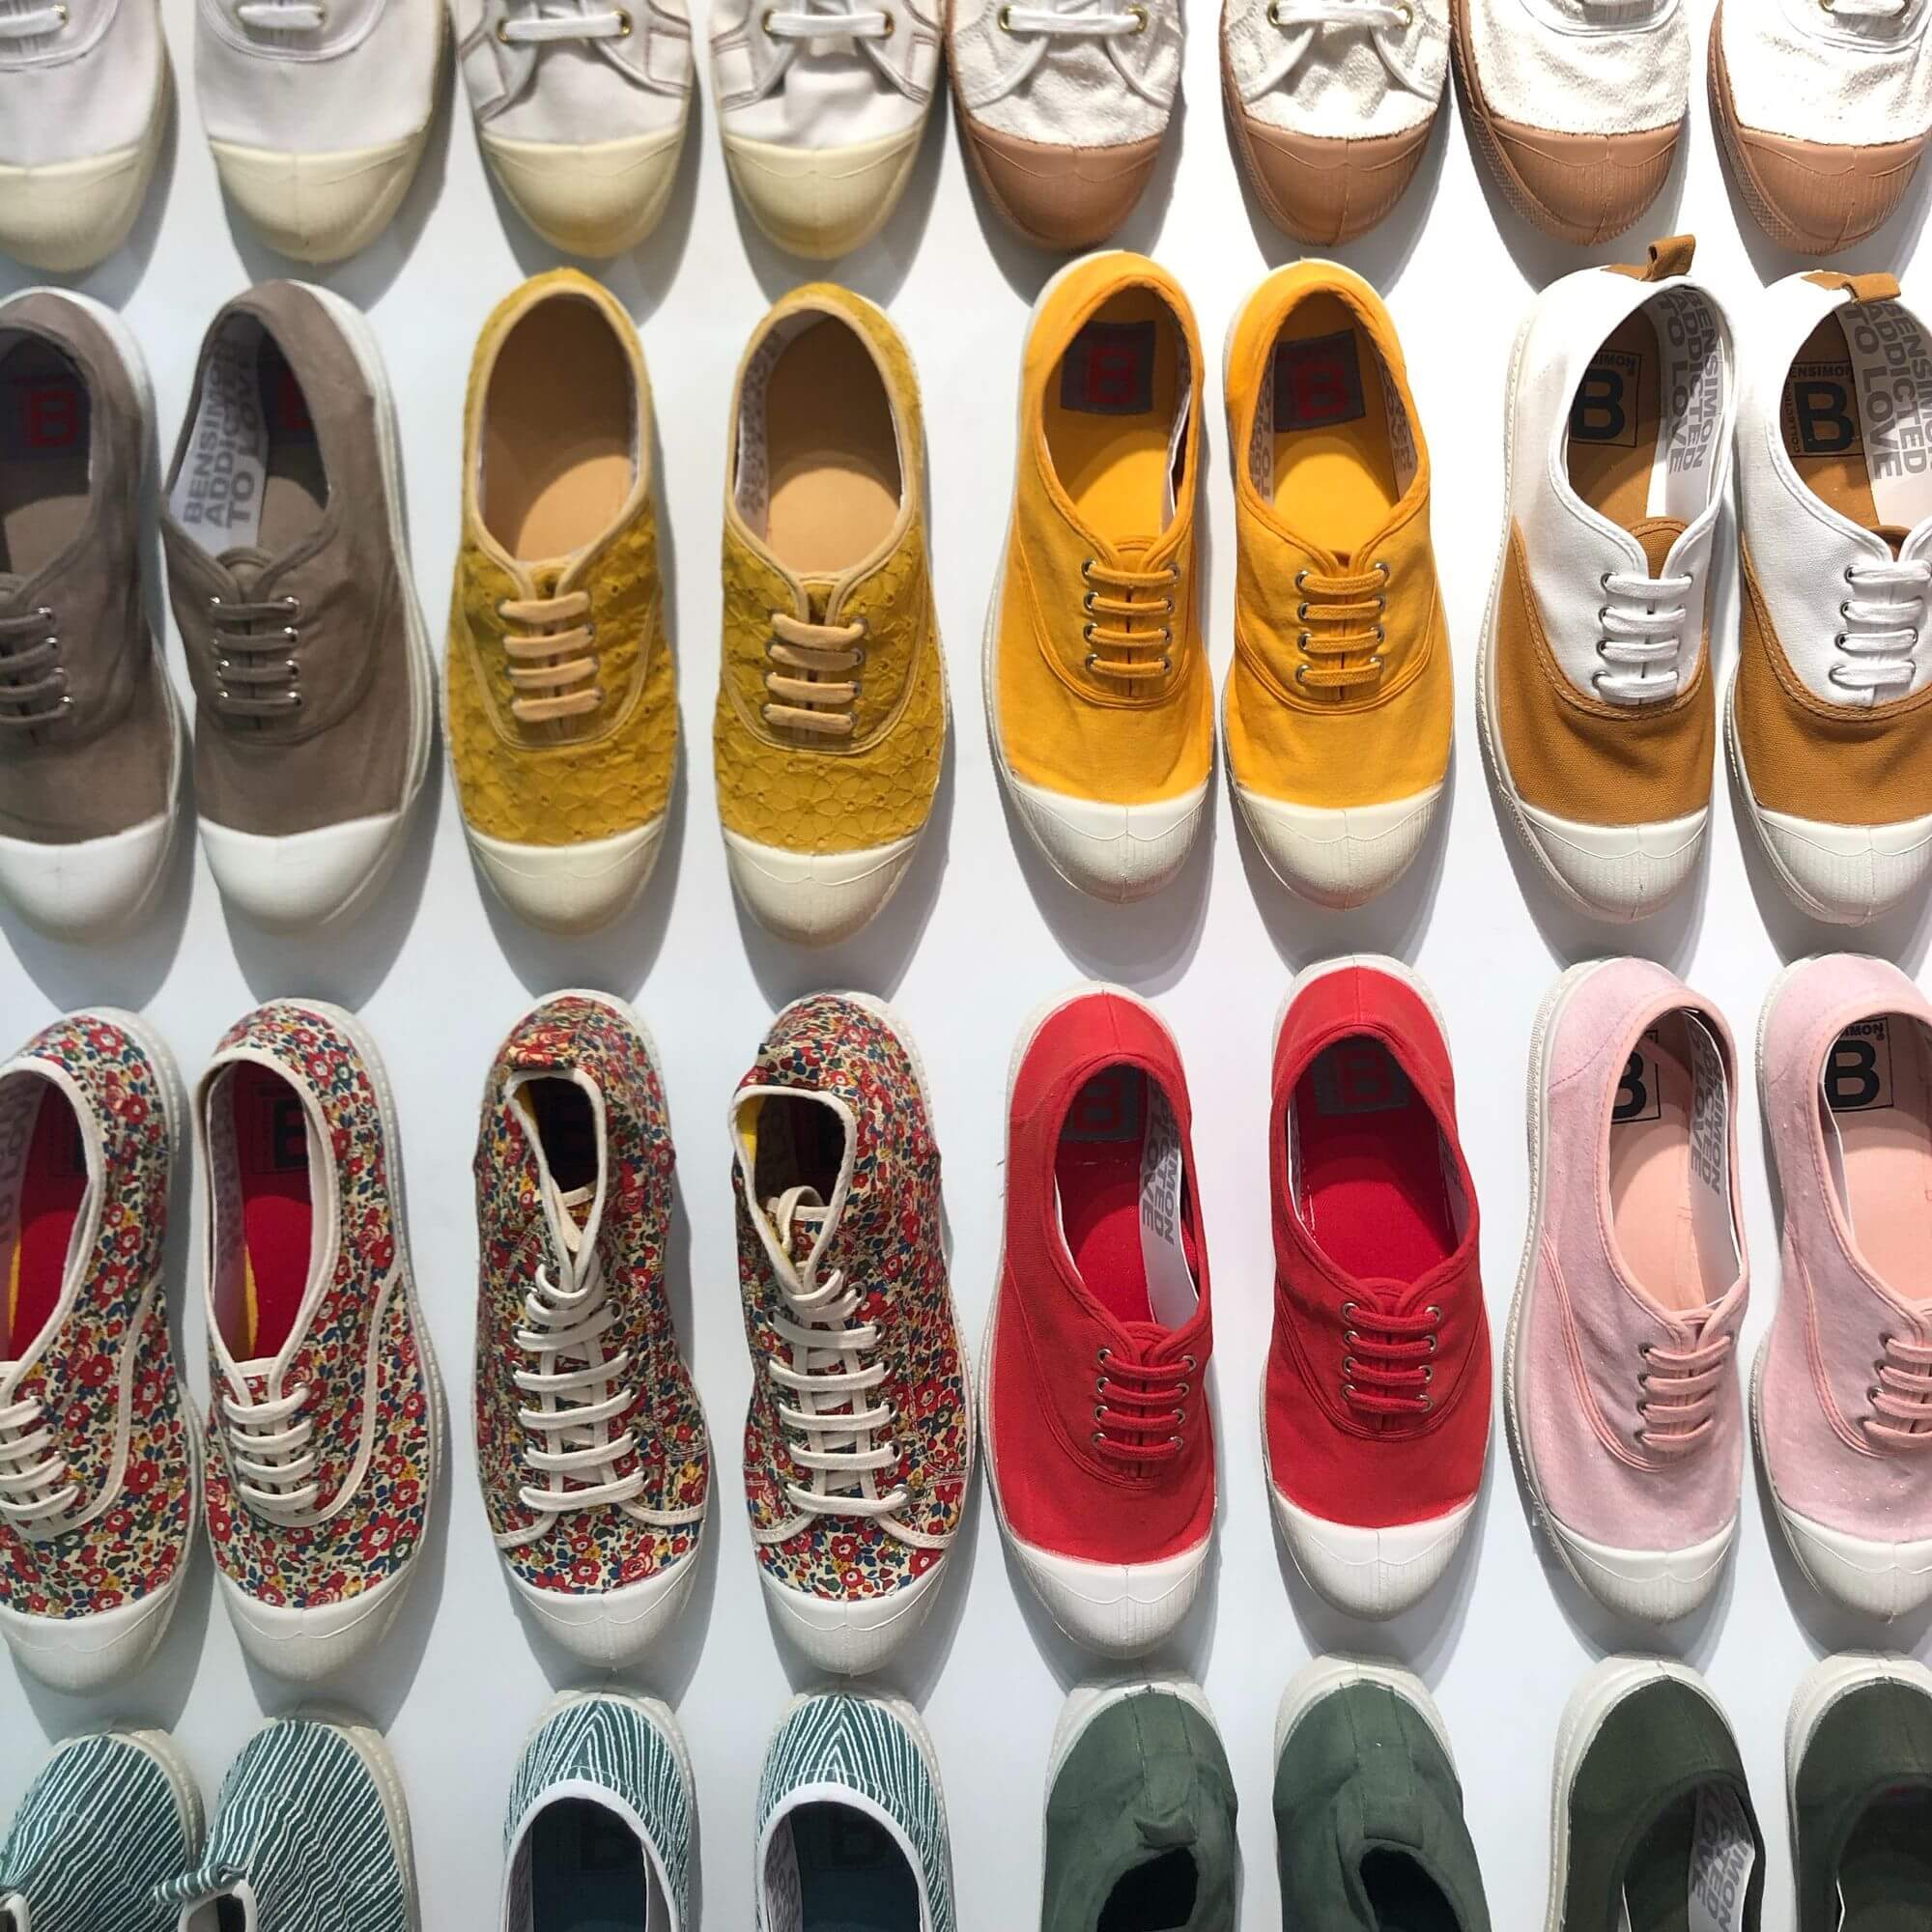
pixel 295 487
pixel 1334 468
pixel 559 433
pixel 1878 1085
pixel 1109 415
pixel 1651 1206
pixel 1824 428
pixel 1614 419
pixel 832 451
pixel 45 427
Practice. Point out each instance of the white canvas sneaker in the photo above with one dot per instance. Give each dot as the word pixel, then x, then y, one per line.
pixel 1065 104
pixel 1823 108
pixel 83 106
pixel 580 109
pixel 821 104
pixel 317 112
pixel 1576 106
pixel 1331 103
pixel 1828 714
pixel 1597 709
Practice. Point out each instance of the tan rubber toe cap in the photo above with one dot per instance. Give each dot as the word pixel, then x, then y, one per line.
pixel 1583 187
pixel 1326 190
pixel 1818 199
pixel 1061 197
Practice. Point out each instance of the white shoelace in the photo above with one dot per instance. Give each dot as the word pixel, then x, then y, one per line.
pixel 1864 10
pixel 829 19
pixel 1641 643
pixel 1098 24
pixel 34 1484
pixel 282 16
pixel 1300 22
pixel 268 1448
pixel 605 23
pixel 1880 640
pixel 836 1435
pixel 33 23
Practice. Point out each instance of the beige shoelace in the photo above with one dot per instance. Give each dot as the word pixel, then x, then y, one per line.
pixel 552 656
pixel 1341 620
pixel 1115 600
pixel 815 683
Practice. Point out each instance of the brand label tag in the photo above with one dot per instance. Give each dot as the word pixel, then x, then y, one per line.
pixel 1820 416
pixel 1317 381
pixel 1604 408
pixel 1858 1070
pixel 1108 370
pixel 1639 1092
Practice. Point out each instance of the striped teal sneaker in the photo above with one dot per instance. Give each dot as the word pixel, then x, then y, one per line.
pixel 851 1821
pixel 598 1835
pixel 311 1834
pixel 108 1821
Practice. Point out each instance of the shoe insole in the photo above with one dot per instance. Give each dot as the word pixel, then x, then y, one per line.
pixel 1657 1881
pixel 1616 417
pixel 1885 1876
pixel 46 427
pixel 1157 1896
pixel 586 1871
pixel 796 1141
pixel 1110 416
pixel 271 1142
pixel 832 452
pixel 852 1876
pixel 566 1129
pixel 1334 468
pixel 54 1184
pixel 1368 1165
pixel 1877 1090
pixel 295 489
pixel 560 455
pixel 1403 1898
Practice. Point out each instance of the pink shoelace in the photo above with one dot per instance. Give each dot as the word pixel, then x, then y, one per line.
pixel 1677 1391
pixel 1901 1398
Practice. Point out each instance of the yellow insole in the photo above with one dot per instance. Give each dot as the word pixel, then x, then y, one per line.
pixel 1334 466
pixel 1824 428
pixel 1110 409
pixel 1614 419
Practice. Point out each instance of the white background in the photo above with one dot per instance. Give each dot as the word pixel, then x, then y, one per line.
pixel 979 932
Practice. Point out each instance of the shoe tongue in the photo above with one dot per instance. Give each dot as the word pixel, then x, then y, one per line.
pixel 1895 535
pixel 817 597
pixel 798 1218
pixel 1656 535
pixel 246 564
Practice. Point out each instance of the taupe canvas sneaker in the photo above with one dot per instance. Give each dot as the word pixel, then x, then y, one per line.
pixel 90 735
pixel 289 573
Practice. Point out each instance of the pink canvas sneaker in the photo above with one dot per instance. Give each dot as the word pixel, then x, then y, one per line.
pixel 1841 1396
pixel 1621 1381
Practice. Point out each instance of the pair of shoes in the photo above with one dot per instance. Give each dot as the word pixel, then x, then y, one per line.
pixel 287 569
pixel 1597 695
pixel 1376 1397
pixel 323 1436
pixel 1337 709
pixel 831 715
pixel 310 1826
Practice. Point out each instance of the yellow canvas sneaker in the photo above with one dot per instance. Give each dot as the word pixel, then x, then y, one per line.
pixel 830 713
pixel 1097 695
pixel 563 698
pixel 1338 707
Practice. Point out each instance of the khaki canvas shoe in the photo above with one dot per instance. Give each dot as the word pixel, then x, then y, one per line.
pixel 562 689
pixel 90 733
pixel 831 719
pixel 289 573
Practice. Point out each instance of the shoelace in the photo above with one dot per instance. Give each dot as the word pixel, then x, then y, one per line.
pixel 831 17
pixel 1864 10
pixel 282 16
pixel 1342 624
pixel 33 685
pixel 835 1433
pixel 32 21
pixel 813 684
pixel 1095 23
pixel 1300 21
pixel 34 1485
pixel 268 1448
pixel 1677 1390
pixel 1640 640
pixel 1901 1398
pixel 1877 645
pixel 552 656
pixel 1115 601
pixel 255 674
pixel 537 27
pixel 1386 1370
pixel 1141 1415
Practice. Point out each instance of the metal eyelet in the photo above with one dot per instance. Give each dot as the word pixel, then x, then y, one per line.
pixel 1382 636
pixel 1425 1401
pixel 1300 576
pixel 623 24
pixel 1347 1365
pixel 1189 1363
pixel 1301 673
pixel 1304 639
pixel 1140 13
pixel 858 687
pixel 215 603
pixel 1350 1337
pixel 1849 579
pixel 1166 664
pixel 765 20
pixel 1433 1313
pixel 290 635
pixel 1086 632
pixel 891 26
pixel 1104 1356
pixel 290 666
pixel 1086 563
pixel 294 701
pixel 1376 664
pixel 44 613
pixel 1382 567
pixel 1087 600
pixel 1348 1391
pixel 1347 1310
pixel 1096 1438
pixel 1432 1343
pixel 1871 1395
pixel 1183 1391
pixel 1100 1413
pixel 1839 641
pixel 1302 611
pixel 1381 601
pixel 1100 1385
pixel 1091 659
pixel 1004 18
pixel 1427 1371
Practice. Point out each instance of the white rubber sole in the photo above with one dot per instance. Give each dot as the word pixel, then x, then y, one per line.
pixel 816 898
pixel 1322 1677
pixel 1339 856
pixel 1828 1682
pixel 821 203
pixel 367 1743
pixel 570 889
pixel 597 198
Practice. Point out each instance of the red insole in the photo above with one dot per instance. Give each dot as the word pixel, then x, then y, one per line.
pixel 1097 1168
pixel 52 1186
pixel 278 1218
pixel 1373 1190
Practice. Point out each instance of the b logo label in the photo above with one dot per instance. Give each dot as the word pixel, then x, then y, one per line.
pixel 1858 1070
pixel 1604 408
pixel 1637 1095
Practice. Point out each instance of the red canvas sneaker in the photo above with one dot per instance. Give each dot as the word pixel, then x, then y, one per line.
pixel 1376 1409
pixel 1098 1436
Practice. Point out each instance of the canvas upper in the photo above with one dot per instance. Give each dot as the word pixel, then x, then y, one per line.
pixel 830 724
pixel 96 1464
pixel 1623 1382
pixel 1844 1382
pixel 595 1483
pixel 1338 706
pixel 325 1424
pixel 854 1498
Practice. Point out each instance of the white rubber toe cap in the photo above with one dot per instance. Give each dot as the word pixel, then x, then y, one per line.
pixel 1116 1608
pixel 573 889
pixel 84 1654
pixel 319 207
pixel 1877 1580
pixel 816 898
pixel 305 879
pixel 67 216
pixel 852 1636
pixel 1619 872
pixel 1371 1573
pixel 1847 875
pixel 305 1646
pixel 1339 856
pixel 1653 1587
pixel 1117 852
pixel 595 199
pixel 822 202
pixel 89 890
pixel 616 1628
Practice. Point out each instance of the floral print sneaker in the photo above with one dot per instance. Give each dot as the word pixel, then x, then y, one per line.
pixel 590 1441
pixel 97 1463
pixel 859 1441
pixel 324 1427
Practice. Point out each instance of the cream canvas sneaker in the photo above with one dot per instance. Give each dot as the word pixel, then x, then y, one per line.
pixel 1828 712
pixel 580 109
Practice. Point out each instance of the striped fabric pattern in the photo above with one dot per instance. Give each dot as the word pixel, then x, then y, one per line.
pixel 97 1834
pixel 863 1745
pixel 300 1817
pixel 617 1744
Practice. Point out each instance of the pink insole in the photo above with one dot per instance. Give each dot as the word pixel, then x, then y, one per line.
pixel 51 1189
pixel 1650 1170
